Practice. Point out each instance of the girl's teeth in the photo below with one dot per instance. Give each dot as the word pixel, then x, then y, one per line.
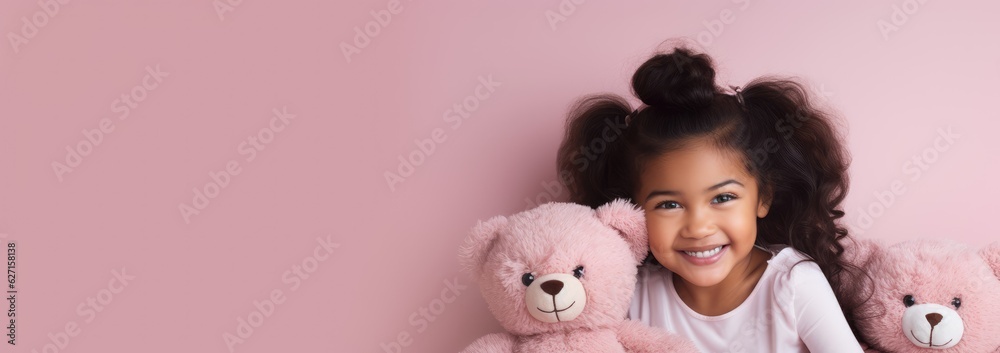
pixel 703 254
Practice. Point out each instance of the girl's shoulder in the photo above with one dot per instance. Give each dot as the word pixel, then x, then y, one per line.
pixel 785 258
pixel 792 271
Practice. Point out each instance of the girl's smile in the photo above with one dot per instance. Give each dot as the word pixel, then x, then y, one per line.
pixel 704 257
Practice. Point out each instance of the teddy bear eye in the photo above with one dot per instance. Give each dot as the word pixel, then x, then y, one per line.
pixel 908 300
pixel 956 302
pixel 578 272
pixel 527 278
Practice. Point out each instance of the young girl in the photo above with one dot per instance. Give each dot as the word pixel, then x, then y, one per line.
pixel 741 191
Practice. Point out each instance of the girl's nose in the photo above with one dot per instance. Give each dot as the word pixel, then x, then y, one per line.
pixel 698 224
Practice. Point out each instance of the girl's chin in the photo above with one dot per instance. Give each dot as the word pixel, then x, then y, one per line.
pixel 701 276
pixel 701 279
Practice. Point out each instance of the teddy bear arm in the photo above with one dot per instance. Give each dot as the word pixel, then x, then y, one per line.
pixel 636 337
pixel 492 343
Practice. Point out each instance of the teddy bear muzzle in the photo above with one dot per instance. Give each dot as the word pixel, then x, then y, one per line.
pixel 932 326
pixel 555 297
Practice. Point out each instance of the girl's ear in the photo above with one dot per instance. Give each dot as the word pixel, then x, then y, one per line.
pixel 472 254
pixel 991 253
pixel 762 209
pixel 630 221
pixel 764 204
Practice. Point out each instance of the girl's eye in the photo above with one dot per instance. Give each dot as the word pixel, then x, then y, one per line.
pixel 668 205
pixel 725 198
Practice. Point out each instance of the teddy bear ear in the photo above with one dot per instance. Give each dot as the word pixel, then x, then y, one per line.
pixel 860 251
pixel 630 221
pixel 991 253
pixel 472 253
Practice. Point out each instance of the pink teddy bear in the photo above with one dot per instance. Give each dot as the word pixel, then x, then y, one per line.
pixel 929 295
pixel 560 277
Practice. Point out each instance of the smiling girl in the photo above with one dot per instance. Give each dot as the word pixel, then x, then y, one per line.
pixel 741 190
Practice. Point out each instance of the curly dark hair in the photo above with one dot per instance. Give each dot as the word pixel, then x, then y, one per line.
pixel 788 144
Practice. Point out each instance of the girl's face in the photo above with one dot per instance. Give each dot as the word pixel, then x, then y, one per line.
pixel 701 209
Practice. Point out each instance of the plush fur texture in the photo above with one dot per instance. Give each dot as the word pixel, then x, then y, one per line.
pixel 916 283
pixel 551 243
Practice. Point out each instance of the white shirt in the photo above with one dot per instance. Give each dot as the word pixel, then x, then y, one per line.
pixel 789 310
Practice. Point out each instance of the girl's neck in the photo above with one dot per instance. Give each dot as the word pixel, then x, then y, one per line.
pixel 728 294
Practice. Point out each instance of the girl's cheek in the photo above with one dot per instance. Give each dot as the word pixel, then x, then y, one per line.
pixel 659 242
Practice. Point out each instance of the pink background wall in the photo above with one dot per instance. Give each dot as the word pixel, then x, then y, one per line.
pixel 317 172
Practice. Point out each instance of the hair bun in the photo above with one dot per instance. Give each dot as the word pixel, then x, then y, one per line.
pixel 678 80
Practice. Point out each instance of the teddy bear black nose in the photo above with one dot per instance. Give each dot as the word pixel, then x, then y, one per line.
pixel 933 318
pixel 554 286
